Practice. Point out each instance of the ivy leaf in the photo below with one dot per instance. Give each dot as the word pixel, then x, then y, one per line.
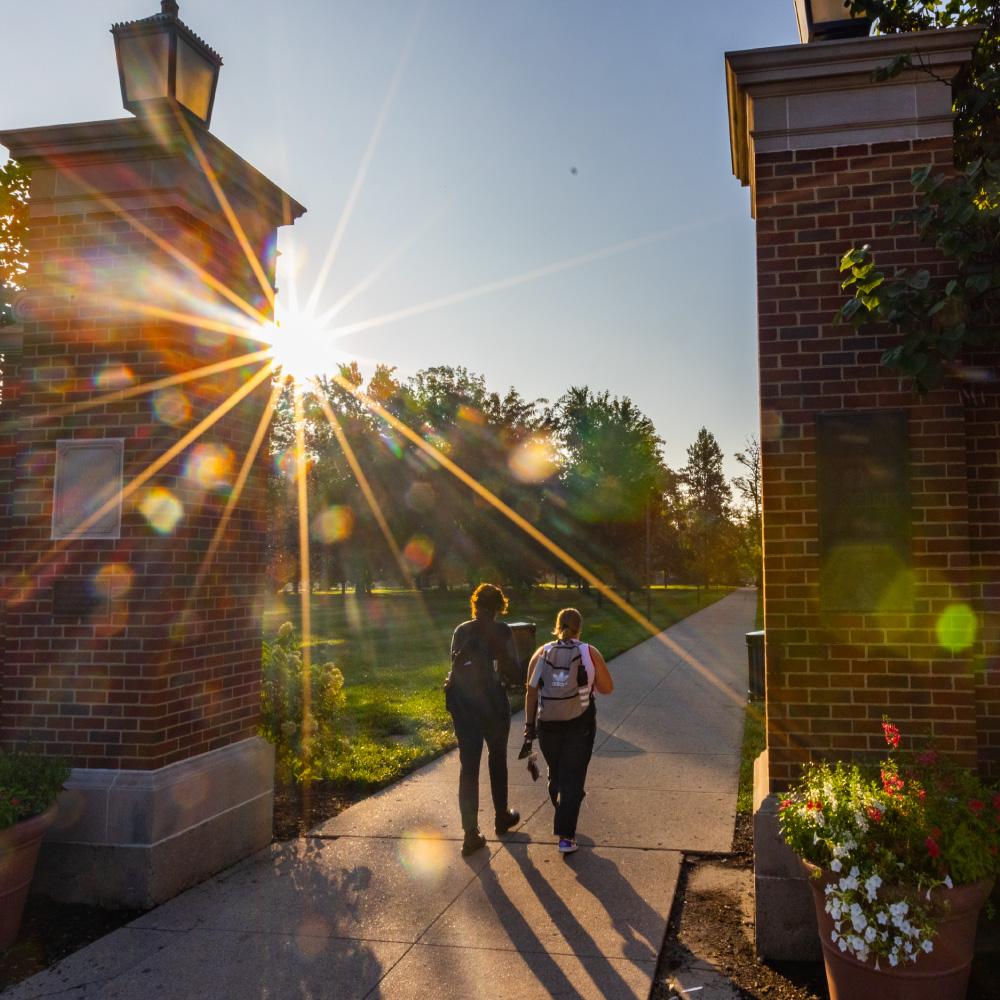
pixel 919 280
pixel 978 282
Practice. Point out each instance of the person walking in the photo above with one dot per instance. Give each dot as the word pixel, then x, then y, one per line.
pixel 481 650
pixel 560 712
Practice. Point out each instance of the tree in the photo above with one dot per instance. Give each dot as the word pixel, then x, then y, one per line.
pixel 749 525
pixel 612 469
pixel 13 233
pixel 707 535
pixel 942 320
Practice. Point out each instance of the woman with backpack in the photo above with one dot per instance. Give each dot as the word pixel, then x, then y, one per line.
pixel 559 711
pixel 482 650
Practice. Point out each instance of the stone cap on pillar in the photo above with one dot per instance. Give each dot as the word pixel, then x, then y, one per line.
pixel 86 145
pixel 821 95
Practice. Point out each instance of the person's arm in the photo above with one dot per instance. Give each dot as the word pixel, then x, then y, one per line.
pixel 531 700
pixel 603 684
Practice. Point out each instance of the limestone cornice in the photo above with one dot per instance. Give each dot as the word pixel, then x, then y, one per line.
pixel 821 94
pixel 163 139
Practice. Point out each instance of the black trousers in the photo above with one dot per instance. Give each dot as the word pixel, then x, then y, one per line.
pixel 567 748
pixel 472 729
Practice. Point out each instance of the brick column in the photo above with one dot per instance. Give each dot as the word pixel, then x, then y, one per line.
pixel 125 649
pixel 828 157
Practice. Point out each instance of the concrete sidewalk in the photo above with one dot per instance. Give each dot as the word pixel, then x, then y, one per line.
pixel 379 903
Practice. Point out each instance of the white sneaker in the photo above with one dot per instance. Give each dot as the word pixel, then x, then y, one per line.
pixel 568 846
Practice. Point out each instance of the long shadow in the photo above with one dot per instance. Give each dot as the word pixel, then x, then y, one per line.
pixel 602 972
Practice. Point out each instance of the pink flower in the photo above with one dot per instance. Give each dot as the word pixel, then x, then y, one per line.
pixel 932 848
pixel 928 757
pixel 891 734
pixel 785 804
pixel 15 802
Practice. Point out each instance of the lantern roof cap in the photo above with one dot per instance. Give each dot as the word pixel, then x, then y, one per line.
pixel 168 15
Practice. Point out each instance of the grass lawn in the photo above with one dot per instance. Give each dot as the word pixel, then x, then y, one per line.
pixel 393 650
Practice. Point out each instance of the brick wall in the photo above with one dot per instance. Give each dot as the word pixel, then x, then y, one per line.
pixel 166 670
pixel 832 676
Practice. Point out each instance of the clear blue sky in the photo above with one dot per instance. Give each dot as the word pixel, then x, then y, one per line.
pixel 519 134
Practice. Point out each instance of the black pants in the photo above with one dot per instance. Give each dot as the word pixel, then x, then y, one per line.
pixel 472 729
pixel 567 748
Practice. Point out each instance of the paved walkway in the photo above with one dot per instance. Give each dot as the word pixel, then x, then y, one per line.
pixel 379 903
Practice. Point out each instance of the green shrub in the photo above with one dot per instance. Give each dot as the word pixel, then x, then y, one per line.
pixel 29 784
pixel 297 733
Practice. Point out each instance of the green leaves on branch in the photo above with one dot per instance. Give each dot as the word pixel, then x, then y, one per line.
pixel 942 316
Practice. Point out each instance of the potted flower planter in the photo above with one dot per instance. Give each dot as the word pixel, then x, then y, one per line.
pixel 19 847
pixel 902 854
pixel 29 784
pixel 941 974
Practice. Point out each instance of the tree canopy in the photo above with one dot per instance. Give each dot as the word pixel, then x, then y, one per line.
pixel 13 233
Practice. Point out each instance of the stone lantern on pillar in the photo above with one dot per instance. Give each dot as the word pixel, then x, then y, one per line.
pixel 132 563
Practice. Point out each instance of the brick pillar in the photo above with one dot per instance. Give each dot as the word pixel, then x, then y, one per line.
pixel 125 649
pixel 852 596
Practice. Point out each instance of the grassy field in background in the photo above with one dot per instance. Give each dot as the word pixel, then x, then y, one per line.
pixel 393 650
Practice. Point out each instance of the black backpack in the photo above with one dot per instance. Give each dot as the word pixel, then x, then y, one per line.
pixel 474 681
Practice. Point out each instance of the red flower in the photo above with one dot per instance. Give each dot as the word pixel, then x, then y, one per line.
pixel 891 734
pixel 892 783
pixel 936 833
pixel 996 802
pixel 15 802
pixel 785 804
pixel 873 814
pixel 993 849
pixel 932 848
pixel 928 757
pixel 975 805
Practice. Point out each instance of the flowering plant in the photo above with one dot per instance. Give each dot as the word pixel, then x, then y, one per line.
pixel 29 784
pixel 893 831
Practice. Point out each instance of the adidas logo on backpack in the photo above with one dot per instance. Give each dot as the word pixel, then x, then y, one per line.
pixel 563 684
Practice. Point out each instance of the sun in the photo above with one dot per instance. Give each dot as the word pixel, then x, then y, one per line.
pixel 302 348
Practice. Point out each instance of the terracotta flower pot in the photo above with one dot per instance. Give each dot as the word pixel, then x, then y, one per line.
pixel 19 846
pixel 942 974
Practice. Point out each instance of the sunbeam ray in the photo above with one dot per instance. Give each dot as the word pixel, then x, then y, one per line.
pixel 355 193
pixel 537 535
pixel 162 383
pixel 366 489
pixel 517 279
pixel 168 248
pixel 305 584
pixel 238 231
pixel 126 491
pixel 237 490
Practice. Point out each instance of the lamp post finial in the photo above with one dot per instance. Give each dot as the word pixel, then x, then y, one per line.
pixel 169 7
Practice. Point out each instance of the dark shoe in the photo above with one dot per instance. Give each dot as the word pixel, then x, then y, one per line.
pixel 506 820
pixel 474 840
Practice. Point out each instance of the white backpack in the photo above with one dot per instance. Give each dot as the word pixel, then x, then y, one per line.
pixel 563 685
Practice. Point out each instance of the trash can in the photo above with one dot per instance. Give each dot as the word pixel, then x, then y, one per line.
pixel 524 639
pixel 755 662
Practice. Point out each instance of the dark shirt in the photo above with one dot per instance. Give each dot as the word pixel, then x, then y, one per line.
pixel 499 638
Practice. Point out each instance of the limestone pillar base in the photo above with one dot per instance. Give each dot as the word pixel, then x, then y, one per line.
pixel 784 914
pixel 134 839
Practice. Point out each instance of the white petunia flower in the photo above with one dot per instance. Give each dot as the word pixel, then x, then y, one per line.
pixel 870 934
pixel 835 865
pixel 842 944
pixel 948 882
pixel 892 959
pixel 882 918
pixel 928 945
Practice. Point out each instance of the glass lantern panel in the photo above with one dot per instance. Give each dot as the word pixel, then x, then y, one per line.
pixel 144 63
pixel 194 79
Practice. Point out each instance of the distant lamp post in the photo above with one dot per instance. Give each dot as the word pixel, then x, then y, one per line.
pixel 163 65
pixel 825 20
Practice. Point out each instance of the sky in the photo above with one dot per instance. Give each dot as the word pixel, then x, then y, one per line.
pixel 572 153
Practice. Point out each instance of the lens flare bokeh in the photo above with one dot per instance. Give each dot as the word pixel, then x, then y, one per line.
pixel 209 465
pixel 333 524
pixel 161 509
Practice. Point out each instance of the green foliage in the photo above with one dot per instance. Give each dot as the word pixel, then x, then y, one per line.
pixel 29 784
pixel 13 233
pixel 942 320
pixel 914 820
pixel 296 715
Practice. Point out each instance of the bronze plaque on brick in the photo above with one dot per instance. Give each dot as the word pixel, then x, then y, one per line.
pixel 74 597
pixel 863 496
